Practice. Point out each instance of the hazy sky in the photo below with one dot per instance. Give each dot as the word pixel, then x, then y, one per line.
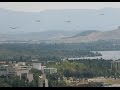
pixel 40 6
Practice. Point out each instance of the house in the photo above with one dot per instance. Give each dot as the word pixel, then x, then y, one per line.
pixel 2 62
pixel 21 64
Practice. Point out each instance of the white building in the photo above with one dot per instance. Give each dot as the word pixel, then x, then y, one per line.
pixel 97 79
pixel 2 62
pixel 20 64
pixel 37 66
pixel 34 60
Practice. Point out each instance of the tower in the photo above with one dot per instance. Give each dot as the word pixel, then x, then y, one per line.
pixel 42 81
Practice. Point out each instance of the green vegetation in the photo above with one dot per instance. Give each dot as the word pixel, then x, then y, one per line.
pixel 3 83
pixel 45 52
pixel 55 52
pixel 91 84
pixel 16 82
pixel 84 68
pixel 36 74
pixel 54 82
pixel 100 45
pixel 81 69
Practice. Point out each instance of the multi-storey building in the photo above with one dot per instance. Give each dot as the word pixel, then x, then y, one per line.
pixel 37 66
pixel 50 70
pixel 115 65
pixel 19 69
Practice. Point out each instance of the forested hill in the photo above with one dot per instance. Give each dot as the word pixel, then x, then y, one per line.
pixel 55 51
pixel 41 51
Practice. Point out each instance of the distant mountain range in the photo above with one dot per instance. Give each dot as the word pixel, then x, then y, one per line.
pixel 68 26
pixel 93 35
pixel 85 33
pixel 36 36
pixel 64 37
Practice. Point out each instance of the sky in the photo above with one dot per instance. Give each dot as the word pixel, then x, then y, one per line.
pixel 41 6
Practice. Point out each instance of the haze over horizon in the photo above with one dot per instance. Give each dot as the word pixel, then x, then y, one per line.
pixel 18 17
pixel 41 6
pixel 59 20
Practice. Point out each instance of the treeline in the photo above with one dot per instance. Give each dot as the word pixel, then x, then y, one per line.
pixel 85 68
pixel 100 45
pixel 41 51
pixel 81 69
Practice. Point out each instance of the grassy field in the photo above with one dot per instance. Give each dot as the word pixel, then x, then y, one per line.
pixel 113 81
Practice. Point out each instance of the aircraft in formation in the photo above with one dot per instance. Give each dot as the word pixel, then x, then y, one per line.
pixel 102 14
pixel 13 27
pixel 37 20
pixel 68 21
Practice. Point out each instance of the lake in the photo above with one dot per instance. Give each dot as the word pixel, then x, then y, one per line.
pixel 110 55
pixel 107 55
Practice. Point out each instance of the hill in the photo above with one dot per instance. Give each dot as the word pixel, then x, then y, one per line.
pixel 91 36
